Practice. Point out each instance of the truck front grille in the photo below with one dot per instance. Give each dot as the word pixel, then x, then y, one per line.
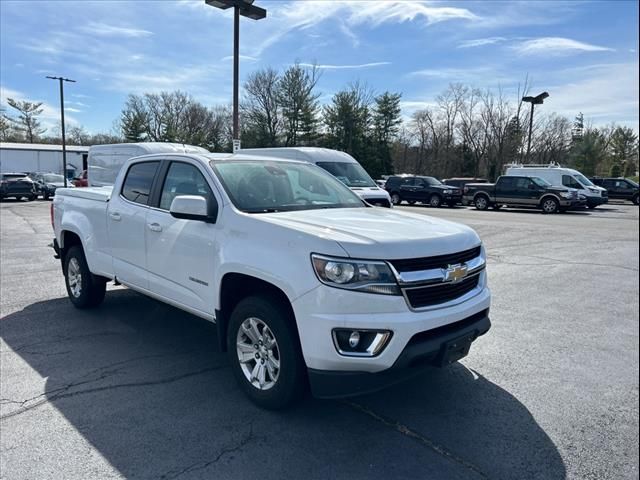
pixel 427 296
pixel 440 261
pixel 378 202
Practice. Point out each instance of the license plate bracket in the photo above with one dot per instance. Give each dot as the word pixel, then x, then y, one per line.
pixel 455 349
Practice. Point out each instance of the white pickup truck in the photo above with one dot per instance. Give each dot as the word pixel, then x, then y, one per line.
pixel 306 283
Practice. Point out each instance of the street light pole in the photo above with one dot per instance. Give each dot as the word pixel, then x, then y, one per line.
pixel 236 72
pixel 246 9
pixel 64 141
pixel 538 100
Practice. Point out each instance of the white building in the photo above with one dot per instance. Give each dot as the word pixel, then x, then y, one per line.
pixel 36 157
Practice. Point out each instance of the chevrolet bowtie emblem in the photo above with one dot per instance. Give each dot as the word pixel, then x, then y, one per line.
pixel 455 273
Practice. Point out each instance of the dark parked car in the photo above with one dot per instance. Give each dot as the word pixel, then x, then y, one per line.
pixel 17 185
pixel 429 190
pixel 48 183
pixel 620 188
pixel 515 191
pixel 460 182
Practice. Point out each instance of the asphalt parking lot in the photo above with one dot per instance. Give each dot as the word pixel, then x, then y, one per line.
pixel 137 389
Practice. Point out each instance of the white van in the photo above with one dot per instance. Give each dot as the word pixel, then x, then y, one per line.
pixel 341 165
pixel 104 161
pixel 567 177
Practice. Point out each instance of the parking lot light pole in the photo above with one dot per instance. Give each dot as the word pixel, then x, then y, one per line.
pixel 539 100
pixel 64 141
pixel 246 9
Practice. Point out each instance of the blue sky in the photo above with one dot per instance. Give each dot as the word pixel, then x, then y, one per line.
pixel 584 53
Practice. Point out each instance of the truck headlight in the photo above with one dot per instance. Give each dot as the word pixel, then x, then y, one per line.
pixel 448 192
pixel 360 275
pixel 566 194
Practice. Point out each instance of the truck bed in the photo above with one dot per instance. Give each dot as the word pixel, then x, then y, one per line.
pixel 101 194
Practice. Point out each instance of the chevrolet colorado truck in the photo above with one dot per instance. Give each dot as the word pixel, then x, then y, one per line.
pixel 306 283
pixel 517 191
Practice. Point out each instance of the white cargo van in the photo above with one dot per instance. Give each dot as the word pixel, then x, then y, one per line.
pixel 104 161
pixel 339 164
pixel 560 176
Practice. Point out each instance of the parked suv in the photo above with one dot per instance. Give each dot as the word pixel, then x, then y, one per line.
pixel 17 185
pixel 620 188
pixel 429 190
pixel 48 183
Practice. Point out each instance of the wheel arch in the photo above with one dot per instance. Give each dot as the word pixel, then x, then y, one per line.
pixel 236 286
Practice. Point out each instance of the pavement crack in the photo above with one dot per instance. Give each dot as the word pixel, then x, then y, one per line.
pixel 408 432
pixel 207 463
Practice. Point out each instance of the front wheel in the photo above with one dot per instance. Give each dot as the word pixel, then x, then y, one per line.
pixel 395 199
pixel 635 200
pixel 550 205
pixel 265 353
pixel 435 201
pixel 85 290
pixel 481 202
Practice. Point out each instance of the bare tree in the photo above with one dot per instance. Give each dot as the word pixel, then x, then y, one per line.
pixel 27 121
pixel 261 108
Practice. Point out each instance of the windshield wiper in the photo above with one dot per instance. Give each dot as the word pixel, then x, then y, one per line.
pixel 261 210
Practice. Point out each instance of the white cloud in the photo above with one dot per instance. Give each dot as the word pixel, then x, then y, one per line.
pixel 480 42
pixel 346 67
pixel 556 45
pixel 105 30
pixel 242 57
pixel 604 93
pixel 71 109
pixel 50 116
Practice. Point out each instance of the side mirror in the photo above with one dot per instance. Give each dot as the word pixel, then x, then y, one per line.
pixel 191 207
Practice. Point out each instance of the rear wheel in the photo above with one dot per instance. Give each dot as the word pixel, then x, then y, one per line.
pixel 481 202
pixel 85 290
pixel 265 353
pixel 435 201
pixel 395 199
pixel 550 205
pixel 635 200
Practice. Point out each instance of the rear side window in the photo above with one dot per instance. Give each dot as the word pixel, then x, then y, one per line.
pixel 137 184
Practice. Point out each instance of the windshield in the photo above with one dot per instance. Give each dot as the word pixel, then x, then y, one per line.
pixel 583 180
pixel 632 183
pixel 53 178
pixel 351 174
pixel 273 186
pixel 540 182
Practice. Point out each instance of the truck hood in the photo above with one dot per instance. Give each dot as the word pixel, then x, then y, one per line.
pixel 379 233
pixel 370 192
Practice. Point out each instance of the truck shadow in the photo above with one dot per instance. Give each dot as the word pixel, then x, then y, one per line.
pixel 145 385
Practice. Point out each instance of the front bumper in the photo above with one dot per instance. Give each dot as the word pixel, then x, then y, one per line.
pixel 424 350
pixel 323 309
pixel 595 201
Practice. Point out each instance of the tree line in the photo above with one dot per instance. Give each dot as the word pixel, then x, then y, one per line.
pixel 465 132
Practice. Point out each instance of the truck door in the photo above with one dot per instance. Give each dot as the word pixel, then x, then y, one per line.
pixel 504 190
pixel 126 223
pixel 181 254
pixel 408 188
pixel 526 192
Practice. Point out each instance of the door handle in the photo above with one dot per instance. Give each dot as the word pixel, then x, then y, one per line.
pixel 115 216
pixel 154 227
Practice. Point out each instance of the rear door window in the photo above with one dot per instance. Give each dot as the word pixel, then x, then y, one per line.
pixel 137 184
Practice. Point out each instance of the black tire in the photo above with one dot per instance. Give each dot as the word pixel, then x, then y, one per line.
pixel 635 200
pixel 395 198
pixel 46 196
pixel 91 287
pixel 481 202
pixel 291 381
pixel 32 197
pixel 435 200
pixel 549 205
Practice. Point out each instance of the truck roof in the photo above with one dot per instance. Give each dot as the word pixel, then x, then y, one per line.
pixel 308 154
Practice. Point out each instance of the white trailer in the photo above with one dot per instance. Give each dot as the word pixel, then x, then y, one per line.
pixel 36 157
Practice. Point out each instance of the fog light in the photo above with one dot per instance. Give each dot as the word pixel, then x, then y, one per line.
pixel 360 343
